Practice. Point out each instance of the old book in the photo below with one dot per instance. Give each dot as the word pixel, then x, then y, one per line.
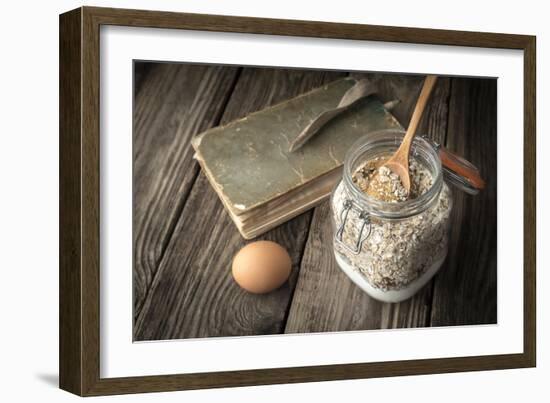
pixel 261 183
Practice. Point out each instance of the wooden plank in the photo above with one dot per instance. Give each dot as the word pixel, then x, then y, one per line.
pixel 141 71
pixel 404 88
pixel 193 293
pixel 325 299
pixel 175 102
pixel 465 289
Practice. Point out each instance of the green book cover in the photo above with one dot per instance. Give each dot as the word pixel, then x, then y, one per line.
pixel 248 161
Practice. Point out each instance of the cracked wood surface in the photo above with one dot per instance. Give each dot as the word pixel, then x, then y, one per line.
pixel 184 241
pixel 465 291
pixel 172 104
pixel 193 293
pixel 325 298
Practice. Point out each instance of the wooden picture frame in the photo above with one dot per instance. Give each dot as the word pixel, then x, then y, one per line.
pixel 79 201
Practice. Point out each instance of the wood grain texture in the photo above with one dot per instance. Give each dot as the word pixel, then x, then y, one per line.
pixel 465 289
pixel 176 102
pixel 403 88
pixel 325 299
pixel 90 204
pixel 317 29
pixel 530 203
pixel 193 294
pixel 141 70
pixel 70 275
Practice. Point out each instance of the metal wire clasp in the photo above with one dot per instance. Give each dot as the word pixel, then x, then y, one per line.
pixel 364 216
pixel 435 145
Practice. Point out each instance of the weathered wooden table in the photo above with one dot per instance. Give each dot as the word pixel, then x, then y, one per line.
pixel 184 241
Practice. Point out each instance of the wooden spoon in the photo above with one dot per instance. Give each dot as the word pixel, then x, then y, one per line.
pixel 399 162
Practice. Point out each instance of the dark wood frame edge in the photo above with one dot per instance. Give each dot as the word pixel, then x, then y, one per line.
pixel 79 201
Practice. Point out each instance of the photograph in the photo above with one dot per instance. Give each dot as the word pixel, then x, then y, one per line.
pixel 277 200
pixel 241 201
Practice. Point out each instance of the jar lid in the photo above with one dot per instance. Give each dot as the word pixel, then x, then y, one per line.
pixel 459 181
pixel 458 171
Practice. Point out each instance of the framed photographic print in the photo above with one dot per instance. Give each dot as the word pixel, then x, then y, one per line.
pixel 249 201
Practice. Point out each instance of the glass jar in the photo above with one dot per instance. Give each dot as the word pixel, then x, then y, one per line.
pixel 390 250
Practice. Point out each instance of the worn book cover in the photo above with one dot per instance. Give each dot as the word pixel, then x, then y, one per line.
pixel 249 164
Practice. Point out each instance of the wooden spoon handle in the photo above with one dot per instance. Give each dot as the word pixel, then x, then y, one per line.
pixel 427 88
pixel 462 167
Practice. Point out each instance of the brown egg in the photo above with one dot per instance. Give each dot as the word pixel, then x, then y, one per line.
pixel 261 267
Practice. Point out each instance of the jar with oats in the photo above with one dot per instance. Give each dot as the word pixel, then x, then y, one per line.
pixel 389 242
